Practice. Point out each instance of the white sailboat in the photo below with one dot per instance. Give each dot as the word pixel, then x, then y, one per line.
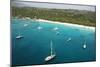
pixel 39 28
pixel 84 45
pixel 25 25
pixel 19 36
pixel 69 39
pixel 51 56
pixel 57 33
pixel 56 28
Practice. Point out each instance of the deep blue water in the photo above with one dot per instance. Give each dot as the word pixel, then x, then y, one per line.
pixel 35 46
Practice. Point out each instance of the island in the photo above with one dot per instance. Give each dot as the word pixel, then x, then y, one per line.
pixel 81 17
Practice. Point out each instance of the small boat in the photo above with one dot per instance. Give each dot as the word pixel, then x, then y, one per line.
pixel 19 36
pixel 25 25
pixel 56 28
pixel 84 45
pixel 57 33
pixel 69 39
pixel 39 28
pixel 51 56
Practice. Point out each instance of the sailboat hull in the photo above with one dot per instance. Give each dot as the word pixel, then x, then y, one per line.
pixel 19 37
pixel 50 57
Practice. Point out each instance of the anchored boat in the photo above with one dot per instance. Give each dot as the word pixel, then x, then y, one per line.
pixel 51 56
pixel 19 36
pixel 84 45
pixel 69 39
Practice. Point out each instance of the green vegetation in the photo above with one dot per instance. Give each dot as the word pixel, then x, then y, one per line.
pixel 64 15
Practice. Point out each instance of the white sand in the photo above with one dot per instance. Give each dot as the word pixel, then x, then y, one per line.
pixel 68 24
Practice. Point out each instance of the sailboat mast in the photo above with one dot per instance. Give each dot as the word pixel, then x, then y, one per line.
pixel 51 48
pixel 19 34
pixel 85 42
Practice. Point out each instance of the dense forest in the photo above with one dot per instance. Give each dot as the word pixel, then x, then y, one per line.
pixel 81 17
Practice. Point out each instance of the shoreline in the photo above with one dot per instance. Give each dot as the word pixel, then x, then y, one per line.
pixel 67 24
pixel 57 22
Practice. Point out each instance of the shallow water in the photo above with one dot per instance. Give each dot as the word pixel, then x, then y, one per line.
pixel 35 46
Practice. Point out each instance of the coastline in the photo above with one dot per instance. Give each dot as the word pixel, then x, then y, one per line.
pixel 67 24
pixel 57 22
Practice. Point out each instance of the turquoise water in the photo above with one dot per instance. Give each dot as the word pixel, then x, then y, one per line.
pixel 34 47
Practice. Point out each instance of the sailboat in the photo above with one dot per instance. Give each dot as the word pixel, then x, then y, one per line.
pixel 39 28
pixel 19 36
pixel 57 33
pixel 51 56
pixel 69 39
pixel 56 28
pixel 25 25
pixel 84 45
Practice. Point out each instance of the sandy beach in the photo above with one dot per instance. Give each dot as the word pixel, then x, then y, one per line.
pixel 67 24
